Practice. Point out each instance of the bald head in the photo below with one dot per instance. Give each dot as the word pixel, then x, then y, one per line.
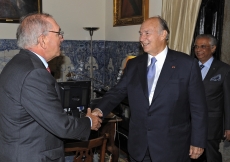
pixel 154 34
pixel 162 24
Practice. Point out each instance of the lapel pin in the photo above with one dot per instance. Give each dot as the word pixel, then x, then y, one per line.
pixel 173 67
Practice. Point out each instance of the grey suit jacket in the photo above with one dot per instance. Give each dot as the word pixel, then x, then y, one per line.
pixel 177 117
pixel 32 120
pixel 217 88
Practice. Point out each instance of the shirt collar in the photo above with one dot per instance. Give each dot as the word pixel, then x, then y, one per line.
pixel 159 57
pixel 42 59
pixel 207 63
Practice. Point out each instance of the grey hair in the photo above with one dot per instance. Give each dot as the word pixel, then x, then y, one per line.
pixel 31 27
pixel 163 25
pixel 212 40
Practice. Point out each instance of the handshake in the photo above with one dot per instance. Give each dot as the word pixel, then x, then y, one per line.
pixel 95 116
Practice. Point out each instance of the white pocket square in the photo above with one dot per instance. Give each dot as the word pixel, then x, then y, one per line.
pixel 216 78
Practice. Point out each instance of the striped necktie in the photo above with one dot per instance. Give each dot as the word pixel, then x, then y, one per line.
pixel 201 66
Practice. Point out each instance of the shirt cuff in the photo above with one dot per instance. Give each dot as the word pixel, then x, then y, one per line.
pixel 90 121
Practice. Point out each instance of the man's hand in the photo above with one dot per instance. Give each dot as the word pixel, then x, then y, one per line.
pixel 227 135
pixel 96 121
pixel 195 152
pixel 97 112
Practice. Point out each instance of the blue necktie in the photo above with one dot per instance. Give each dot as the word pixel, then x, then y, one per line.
pixel 201 66
pixel 151 73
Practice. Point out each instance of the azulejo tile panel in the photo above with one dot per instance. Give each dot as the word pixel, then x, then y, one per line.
pixel 8 44
pixel 75 60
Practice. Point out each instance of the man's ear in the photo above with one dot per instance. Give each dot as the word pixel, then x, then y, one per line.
pixel 164 34
pixel 42 41
pixel 213 48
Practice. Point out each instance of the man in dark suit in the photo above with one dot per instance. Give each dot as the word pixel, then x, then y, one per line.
pixel 170 123
pixel 216 79
pixel 32 120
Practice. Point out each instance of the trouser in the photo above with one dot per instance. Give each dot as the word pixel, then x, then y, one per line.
pixel 147 158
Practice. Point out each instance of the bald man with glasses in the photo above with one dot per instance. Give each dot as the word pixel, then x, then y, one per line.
pixel 33 123
pixel 216 79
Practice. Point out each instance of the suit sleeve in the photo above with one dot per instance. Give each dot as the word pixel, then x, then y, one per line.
pixel 115 95
pixel 198 108
pixel 40 99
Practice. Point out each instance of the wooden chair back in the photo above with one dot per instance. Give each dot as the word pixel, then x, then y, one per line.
pixel 83 150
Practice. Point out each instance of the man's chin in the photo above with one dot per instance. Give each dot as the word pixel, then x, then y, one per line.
pixel 58 54
pixel 200 58
pixel 145 50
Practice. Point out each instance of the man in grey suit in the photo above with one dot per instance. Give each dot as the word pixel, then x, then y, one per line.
pixel 168 123
pixel 32 120
pixel 216 79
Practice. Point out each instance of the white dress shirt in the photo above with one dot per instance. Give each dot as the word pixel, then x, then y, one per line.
pixel 206 67
pixel 159 64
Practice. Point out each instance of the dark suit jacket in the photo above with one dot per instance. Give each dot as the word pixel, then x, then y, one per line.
pixel 217 88
pixel 32 120
pixel 165 126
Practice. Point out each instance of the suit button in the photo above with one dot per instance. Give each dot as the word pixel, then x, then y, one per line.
pixel 148 129
pixel 149 114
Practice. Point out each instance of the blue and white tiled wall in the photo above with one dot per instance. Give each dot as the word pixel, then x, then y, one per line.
pixel 74 63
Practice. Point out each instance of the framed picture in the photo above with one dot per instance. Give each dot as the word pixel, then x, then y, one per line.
pixel 12 10
pixel 130 12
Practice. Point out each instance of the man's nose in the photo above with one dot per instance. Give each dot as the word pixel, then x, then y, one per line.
pixel 142 37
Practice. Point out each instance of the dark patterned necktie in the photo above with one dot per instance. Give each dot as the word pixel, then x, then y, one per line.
pixel 48 69
pixel 201 66
pixel 151 73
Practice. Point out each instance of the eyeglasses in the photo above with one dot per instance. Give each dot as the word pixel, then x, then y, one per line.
pixel 60 33
pixel 202 46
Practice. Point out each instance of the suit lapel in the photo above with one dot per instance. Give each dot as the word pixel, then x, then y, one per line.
pixel 166 72
pixel 143 74
pixel 211 71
